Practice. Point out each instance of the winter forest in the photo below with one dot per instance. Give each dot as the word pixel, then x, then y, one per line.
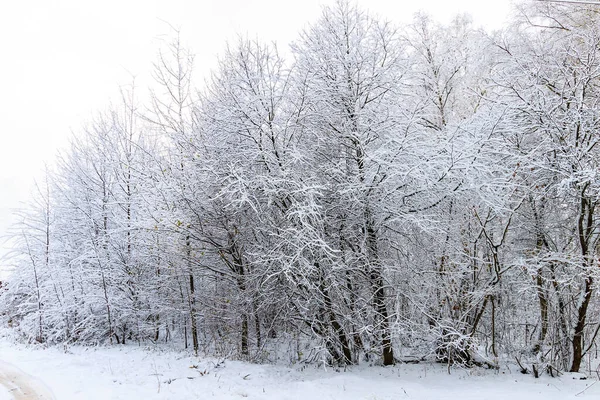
pixel 382 194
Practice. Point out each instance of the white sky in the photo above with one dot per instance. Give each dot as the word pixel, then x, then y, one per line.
pixel 63 60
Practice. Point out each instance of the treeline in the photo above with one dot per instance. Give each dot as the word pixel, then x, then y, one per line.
pixel 387 192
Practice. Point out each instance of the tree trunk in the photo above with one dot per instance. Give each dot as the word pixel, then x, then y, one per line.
pixel 192 295
pixel 585 227
pixel 379 293
pixel 337 328
pixel 543 301
pixel 580 326
pixel 257 329
pixel 245 351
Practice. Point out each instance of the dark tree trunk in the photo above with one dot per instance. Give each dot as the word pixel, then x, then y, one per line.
pixel 585 227
pixel 379 294
pixel 580 326
pixel 337 328
pixel 245 351
pixel 257 330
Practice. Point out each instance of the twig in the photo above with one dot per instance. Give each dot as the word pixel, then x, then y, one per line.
pixel 586 388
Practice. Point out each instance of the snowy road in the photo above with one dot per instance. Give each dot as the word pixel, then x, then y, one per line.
pixel 21 386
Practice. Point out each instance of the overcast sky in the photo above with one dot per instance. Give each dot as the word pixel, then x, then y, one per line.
pixel 63 60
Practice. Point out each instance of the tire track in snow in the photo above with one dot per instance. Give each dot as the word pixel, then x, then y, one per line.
pixel 22 386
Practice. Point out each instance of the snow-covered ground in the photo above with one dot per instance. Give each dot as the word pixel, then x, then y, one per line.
pixel 131 373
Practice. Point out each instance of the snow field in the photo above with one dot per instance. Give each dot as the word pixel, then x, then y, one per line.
pixel 129 373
